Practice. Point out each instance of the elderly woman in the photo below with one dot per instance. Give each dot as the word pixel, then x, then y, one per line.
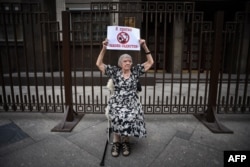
pixel 125 110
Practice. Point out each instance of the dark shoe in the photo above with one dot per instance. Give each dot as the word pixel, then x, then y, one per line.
pixel 125 148
pixel 115 151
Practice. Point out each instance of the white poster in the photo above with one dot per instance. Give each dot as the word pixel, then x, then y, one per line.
pixel 123 38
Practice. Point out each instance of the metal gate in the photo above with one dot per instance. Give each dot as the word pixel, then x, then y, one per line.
pixel 199 64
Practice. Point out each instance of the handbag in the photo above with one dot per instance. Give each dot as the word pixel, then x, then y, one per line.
pixel 138 84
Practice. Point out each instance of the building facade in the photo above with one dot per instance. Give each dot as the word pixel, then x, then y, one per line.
pixel 174 30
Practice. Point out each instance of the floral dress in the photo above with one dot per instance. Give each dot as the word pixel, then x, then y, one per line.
pixel 125 110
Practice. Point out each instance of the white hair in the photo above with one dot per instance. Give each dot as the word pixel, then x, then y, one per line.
pixel 123 56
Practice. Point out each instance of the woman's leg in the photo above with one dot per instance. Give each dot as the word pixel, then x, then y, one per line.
pixel 125 139
pixel 115 151
pixel 125 146
pixel 116 138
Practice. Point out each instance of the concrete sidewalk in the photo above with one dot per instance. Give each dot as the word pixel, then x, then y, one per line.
pixel 172 141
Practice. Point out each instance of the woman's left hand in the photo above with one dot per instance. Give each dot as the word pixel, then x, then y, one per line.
pixel 142 41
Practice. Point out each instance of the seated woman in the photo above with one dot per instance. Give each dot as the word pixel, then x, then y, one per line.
pixel 125 110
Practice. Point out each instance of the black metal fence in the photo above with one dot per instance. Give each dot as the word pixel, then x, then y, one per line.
pixel 198 63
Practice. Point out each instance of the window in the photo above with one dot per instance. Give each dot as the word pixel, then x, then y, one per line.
pixel 10 24
pixel 88 26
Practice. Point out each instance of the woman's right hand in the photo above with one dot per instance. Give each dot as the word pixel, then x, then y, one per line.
pixel 99 61
pixel 105 43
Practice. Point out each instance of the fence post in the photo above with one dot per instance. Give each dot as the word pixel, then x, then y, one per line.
pixel 70 120
pixel 215 66
pixel 67 65
pixel 209 119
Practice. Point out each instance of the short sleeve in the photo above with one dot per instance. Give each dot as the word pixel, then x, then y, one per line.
pixel 111 71
pixel 138 69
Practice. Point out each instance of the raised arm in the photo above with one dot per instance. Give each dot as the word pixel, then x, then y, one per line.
pixel 148 64
pixel 99 61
